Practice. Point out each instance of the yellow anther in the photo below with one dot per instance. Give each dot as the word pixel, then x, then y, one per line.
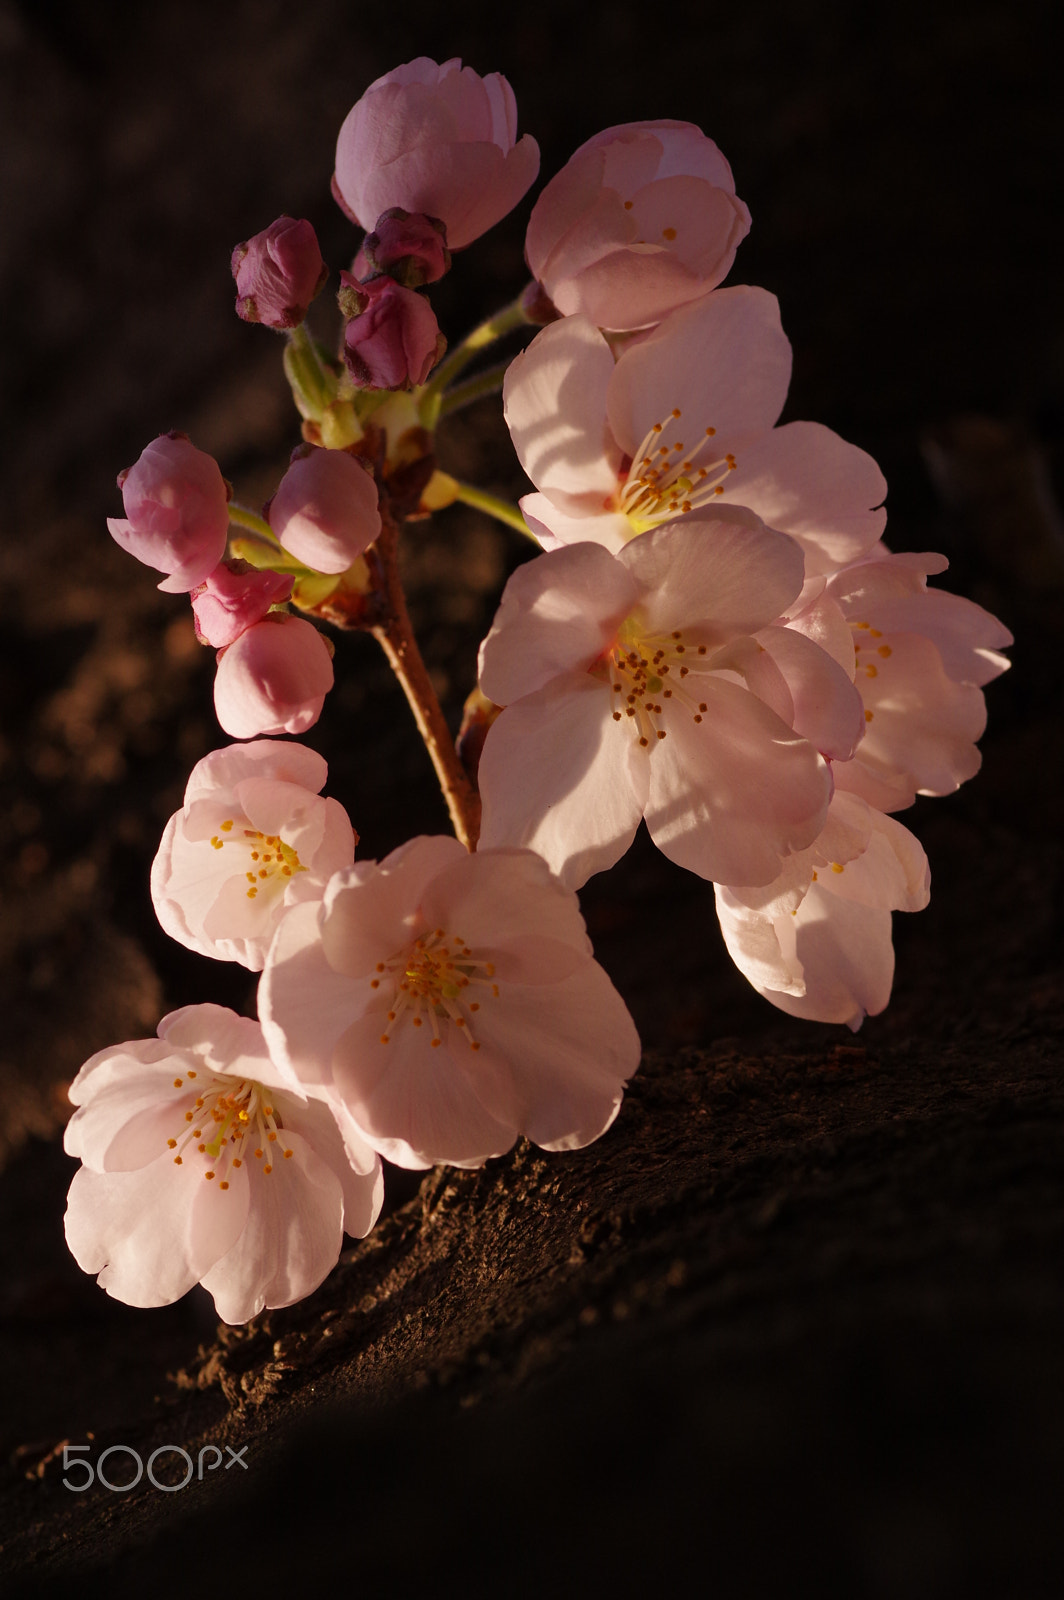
pixel 670 234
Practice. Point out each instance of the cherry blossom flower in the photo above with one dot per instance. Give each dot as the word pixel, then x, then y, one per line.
pixel 435 139
pixel 253 837
pixel 655 683
pixel 200 1166
pixel 177 511
pixel 325 511
pixel 233 598
pixel 451 1003
pixel 278 273
pixel 273 678
pixel 817 941
pixel 683 422
pixel 922 657
pixel 641 220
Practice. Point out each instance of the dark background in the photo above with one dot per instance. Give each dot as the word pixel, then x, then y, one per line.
pixel 801 1312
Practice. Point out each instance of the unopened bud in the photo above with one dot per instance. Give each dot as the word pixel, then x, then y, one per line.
pixel 177 511
pixel 278 273
pixel 409 246
pixel 395 342
pixel 325 511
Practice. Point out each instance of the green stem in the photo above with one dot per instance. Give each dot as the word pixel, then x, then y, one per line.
pixel 463 394
pixel 503 322
pixel 495 506
pixel 313 384
pixel 248 519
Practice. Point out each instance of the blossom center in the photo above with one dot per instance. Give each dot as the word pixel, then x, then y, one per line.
pixel 666 479
pixel 230 1118
pixel 436 979
pixel 271 862
pixel 646 674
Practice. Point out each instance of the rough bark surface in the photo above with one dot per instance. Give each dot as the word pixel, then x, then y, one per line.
pixel 799 1316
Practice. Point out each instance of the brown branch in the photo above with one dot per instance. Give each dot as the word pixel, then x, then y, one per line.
pixel 396 638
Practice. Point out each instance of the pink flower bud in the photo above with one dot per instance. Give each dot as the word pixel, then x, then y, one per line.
pixel 177 511
pixel 273 678
pixel 395 341
pixel 325 511
pixel 234 597
pixel 278 273
pixel 436 139
pixel 411 248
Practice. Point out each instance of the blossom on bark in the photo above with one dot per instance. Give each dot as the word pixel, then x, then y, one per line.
pixel 278 273
pixel 200 1166
pixel 642 219
pixel 451 1003
pixel 817 941
pixel 437 139
pixel 657 683
pixel 325 511
pixel 273 678
pixel 177 511
pixel 922 657
pixel 233 598
pixel 683 423
pixel 253 837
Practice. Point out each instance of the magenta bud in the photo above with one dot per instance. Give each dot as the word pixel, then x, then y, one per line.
pixel 325 511
pixel 395 342
pixel 233 598
pixel 409 246
pixel 177 511
pixel 278 273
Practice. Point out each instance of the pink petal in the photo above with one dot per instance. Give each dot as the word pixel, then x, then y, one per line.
pixel 754 944
pixel 554 399
pixel 554 528
pixel 571 1051
pixel 828 711
pixel 847 958
pixel 558 776
pixel 292 1237
pixel 415 1104
pixel 558 613
pixel 732 795
pixel 304 1005
pixel 806 481
pixel 373 911
pixel 718 576
pixel 723 362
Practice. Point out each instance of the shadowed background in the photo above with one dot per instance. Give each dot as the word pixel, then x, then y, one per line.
pixel 900 1307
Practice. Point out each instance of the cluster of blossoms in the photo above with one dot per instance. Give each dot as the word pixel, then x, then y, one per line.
pixel 713 637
